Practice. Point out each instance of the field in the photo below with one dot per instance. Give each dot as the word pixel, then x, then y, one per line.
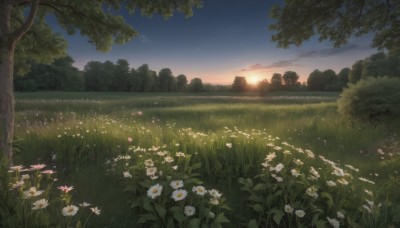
pixel 292 146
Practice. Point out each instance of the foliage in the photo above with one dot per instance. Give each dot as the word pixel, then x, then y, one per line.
pixel 181 82
pixel 166 190
pixel 276 82
pixel 336 21
pixel 239 84
pixel 371 99
pixel 290 79
pixel 30 200
pixel 196 85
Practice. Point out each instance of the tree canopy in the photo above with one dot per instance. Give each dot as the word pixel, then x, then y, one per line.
pixel 337 21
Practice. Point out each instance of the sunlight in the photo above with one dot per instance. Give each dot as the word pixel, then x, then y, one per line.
pixel 253 80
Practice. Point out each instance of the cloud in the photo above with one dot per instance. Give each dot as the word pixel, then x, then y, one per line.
pixel 326 52
pixel 145 39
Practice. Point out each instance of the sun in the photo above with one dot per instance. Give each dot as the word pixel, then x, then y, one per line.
pixel 253 80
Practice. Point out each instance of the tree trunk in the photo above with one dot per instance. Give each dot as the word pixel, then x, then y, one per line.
pixel 6 98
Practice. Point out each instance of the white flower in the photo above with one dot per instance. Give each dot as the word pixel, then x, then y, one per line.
pixel 84 204
pixel 295 172
pixel 189 210
pixel 380 151
pixel 314 174
pixel 300 213
pixel 214 193
pixel 371 203
pixel 312 191
pixel 199 190
pixel 338 171
pixel 95 210
pixel 169 159
pixel 179 194
pixel 340 215
pixel 368 192
pixel 31 193
pixel 335 223
pixel 18 184
pixel 40 204
pixel 298 162
pixel 211 215
pixel 229 145
pixel 148 163
pixel 154 191
pixel 288 209
pixel 214 201
pixel 69 210
pixel 330 183
pixel 25 177
pixel 175 167
pixel 180 154
pixel 367 208
pixel 343 181
pixel 176 184
pixel 270 156
pixel 150 171
pixel 279 167
pixel 366 180
pixel 127 174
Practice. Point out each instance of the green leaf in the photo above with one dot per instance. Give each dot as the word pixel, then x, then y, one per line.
pixel 260 187
pixel 278 216
pixel 257 207
pixel 220 218
pixel 147 206
pixel 160 210
pixel 179 216
pixel 194 223
pixel 196 166
pixel 143 218
pixel 252 224
pixel 329 199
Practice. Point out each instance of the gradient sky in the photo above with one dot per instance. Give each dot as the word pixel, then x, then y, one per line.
pixel 224 39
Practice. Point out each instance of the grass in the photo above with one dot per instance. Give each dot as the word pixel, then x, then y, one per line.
pixel 84 130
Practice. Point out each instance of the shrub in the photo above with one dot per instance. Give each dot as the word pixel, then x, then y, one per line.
pixel 371 99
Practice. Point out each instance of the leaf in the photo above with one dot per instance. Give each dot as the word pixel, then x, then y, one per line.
pixel 160 210
pixel 143 218
pixel 329 199
pixel 220 218
pixel 147 206
pixel 260 187
pixel 256 199
pixel 194 223
pixel 252 224
pixel 278 216
pixel 179 216
pixel 257 207
pixel 196 166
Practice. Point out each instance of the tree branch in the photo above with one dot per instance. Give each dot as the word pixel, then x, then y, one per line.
pixel 18 33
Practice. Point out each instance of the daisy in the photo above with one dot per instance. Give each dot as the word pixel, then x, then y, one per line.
pixel 180 154
pixel 330 183
pixel 49 171
pixel 295 172
pixel 169 159
pixel 31 193
pixel 84 204
pixel 214 193
pixel 189 210
pixel 65 188
pixel 127 174
pixel 151 171
pixel 214 201
pixel 335 223
pixel 199 190
pixel 176 184
pixel 37 166
pixel 154 191
pixel 70 210
pixel 148 163
pixel 40 204
pixel 16 168
pixel 288 209
pixel 18 184
pixel 229 145
pixel 95 210
pixel 340 215
pixel 179 194
pixel 270 156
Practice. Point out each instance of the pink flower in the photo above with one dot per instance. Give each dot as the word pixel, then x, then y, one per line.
pixel 130 139
pixel 37 166
pixel 140 113
pixel 16 168
pixel 49 171
pixel 65 188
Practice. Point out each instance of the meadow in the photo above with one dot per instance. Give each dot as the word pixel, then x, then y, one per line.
pixel 210 160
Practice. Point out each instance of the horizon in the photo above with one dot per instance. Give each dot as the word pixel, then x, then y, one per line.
pixel 216 44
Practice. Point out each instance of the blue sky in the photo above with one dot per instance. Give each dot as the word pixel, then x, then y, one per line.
pixel 224 39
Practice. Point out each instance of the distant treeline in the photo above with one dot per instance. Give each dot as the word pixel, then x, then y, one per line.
pixel 109 76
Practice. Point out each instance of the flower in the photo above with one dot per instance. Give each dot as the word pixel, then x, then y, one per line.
pixel 343 181
pixel 300 213
pixel 229 145
pixel 169 159
pixel 312 191
pixel 18 184
pixel 154 191
pixel 150 171
pixel 330 183
pixel 366 180
pixel 214 201
pixel 127 174
pixel 69 210
pixel 368 192
pixel 180 154
pixel 199 190
pixel 295 172
pixel 148 163
pixel 176 184
pixel 314 175
pixel 48 171
pixel 338 172
pixel 37 166
pixel 65 188
pixel 211 215
pixel 335 223
pixel 367 208
pixel 31 193
pixel 25 177
pixel 288 209
pixel 95 210
pixel 16 168
pixel 270 156
pixel 298 162
pixel 279 167
pixel 130 139
pixel 214 193
pixel 340 215
pixel 84 204
pixel 179 194
pixel 189 210
pixel 175 167
pixel 40 204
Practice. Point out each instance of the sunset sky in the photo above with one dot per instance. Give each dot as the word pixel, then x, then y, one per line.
pixel 224 39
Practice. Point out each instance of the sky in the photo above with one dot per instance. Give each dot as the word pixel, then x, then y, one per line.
pixel 224 39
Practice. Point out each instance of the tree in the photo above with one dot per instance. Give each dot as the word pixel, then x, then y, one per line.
pixel 165 79
pixel 196 85
pixel 145 77
pixel 336 21
pixel 239 84
pixel 276 82
pixel 25 35
pixel 329 78
pixel 263 87
pixel 120 78
pixel 290 79
pixel 314 81
pixel 181 81
pixel 343 78
pixel 356 72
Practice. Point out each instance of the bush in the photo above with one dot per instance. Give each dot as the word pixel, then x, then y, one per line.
pixel 371 99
